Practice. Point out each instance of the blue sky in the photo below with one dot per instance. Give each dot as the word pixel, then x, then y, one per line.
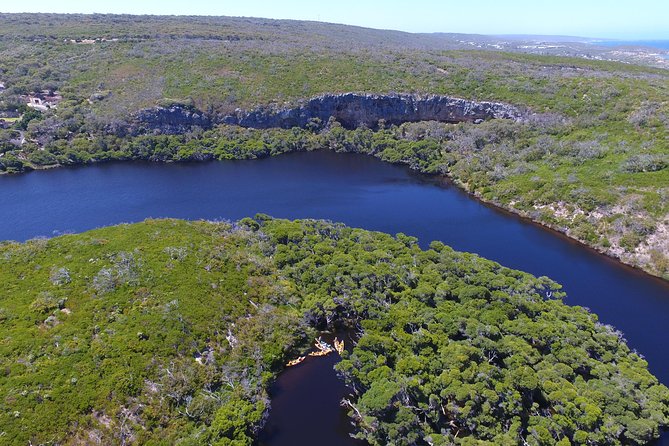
pixel 640 19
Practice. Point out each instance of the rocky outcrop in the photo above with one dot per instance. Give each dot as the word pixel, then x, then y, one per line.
pixel 350 109
pixel 355 110
pixel 171 120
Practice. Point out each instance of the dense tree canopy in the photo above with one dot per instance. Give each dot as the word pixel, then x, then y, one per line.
pixel 169 331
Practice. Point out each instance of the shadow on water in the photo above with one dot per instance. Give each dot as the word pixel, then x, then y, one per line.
pixel 357 190
pixel 305 404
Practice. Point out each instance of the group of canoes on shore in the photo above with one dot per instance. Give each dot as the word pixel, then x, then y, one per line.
pixel 322 349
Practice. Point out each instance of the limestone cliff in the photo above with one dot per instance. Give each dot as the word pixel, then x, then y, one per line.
pixel 350 109
pixel 355 110
pixel 171 120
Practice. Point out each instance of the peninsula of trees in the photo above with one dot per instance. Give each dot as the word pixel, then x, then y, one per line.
pixel 170 332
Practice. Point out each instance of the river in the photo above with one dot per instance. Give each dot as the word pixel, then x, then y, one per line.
pixel 359 191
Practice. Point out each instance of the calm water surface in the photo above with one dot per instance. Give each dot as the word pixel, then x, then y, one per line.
pixel 359 191
pixel 659 44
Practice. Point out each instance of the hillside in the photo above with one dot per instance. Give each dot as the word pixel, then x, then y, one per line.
pixel 589 157
pixel 170 332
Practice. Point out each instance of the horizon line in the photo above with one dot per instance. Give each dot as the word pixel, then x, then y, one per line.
pixel 506 35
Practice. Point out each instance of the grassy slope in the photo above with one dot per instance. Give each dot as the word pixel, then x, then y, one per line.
pixel 573 173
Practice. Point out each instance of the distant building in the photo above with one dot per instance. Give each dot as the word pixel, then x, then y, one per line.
pixel 82 41
pixel 37 103
pixel 44 101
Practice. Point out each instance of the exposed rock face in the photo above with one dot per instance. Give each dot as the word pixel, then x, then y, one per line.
pixel 170 120
pixel 350 109
pixel 355 110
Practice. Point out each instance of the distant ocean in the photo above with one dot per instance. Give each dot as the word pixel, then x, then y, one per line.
pixel 661 44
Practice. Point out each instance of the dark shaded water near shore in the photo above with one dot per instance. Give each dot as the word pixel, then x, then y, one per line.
pixel 305 404
pixel 359 191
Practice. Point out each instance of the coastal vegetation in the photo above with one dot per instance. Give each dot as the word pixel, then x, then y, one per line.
pixel 589 158
pixel 170 332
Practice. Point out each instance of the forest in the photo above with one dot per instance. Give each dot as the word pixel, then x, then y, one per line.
pixel 170 332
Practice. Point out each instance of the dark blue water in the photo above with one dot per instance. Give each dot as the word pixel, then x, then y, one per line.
pixel 354 189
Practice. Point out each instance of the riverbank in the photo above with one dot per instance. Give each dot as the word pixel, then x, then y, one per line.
pixel 426 156
pixel 612 253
